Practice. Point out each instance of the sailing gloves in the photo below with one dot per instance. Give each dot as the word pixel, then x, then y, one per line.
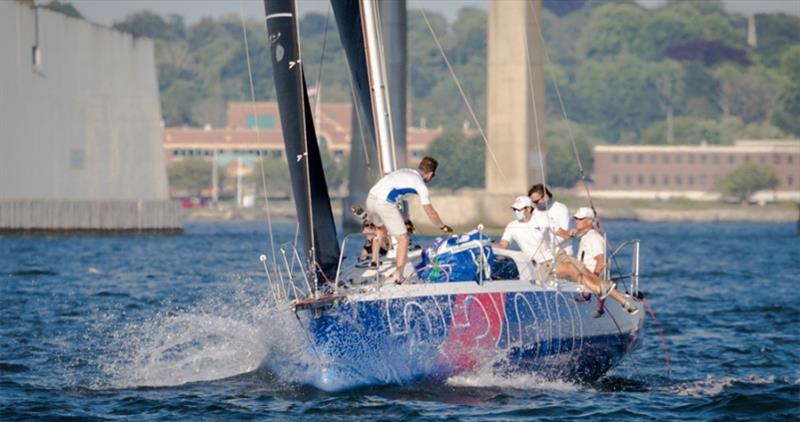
pixel 410 227
pixel 447 229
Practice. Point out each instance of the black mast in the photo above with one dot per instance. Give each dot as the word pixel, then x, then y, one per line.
pixel 309 187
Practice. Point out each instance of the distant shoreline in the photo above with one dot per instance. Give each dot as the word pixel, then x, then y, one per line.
pixel 284 212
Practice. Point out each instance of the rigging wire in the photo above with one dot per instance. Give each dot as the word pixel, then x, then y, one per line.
pixel 464 96
pixel 554 243
pixel 356 108
pixel 312 254
pixel 318 83
pixel 258 136
pixel 588 191
pixel 570 134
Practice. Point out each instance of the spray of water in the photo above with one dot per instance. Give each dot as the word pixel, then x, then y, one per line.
pixel 228 334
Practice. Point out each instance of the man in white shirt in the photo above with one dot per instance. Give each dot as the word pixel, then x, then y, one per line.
pixel 384 199
pixel 531 239
pixel 553 214
pixel 592 248
pixel 591 253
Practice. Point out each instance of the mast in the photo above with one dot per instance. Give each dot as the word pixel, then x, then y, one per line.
pixel 394 29
pixel 364 165
pixel 376 67
pixel 309 187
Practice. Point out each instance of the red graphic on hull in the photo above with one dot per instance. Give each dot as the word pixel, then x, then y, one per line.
pixel 474 331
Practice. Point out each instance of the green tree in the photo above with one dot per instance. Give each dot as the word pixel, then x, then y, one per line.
pixel 788 117
pixel 751 94
pixel 190 175
pixel 562 164
pixel 461 160
pixel 672 24
pixel 152 25
pixel 64 8
pixel 334 172
pixel 177 101
pixel 612 29
pixel 742 182
pixel 790 62
pixel 617 96
pixel 688 131
pixel 775 32
pixel 276 174
pixel 667 77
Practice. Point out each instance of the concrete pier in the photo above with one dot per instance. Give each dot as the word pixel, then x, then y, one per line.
pixel 80 128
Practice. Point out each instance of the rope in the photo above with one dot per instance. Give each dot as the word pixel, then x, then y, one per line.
pixel 258 137
pixel 464 97
pixel 660 334
pixel 570 134
pixel 535 110
pixel 312 255
pixel 356 108
pixel 318 83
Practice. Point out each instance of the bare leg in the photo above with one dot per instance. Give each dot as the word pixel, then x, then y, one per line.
pixel 588 279
pixel 402 253
pixel 614 295
pixel 380 233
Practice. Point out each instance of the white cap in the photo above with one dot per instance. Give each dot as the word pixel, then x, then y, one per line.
pixel 584 212
pixel 522 202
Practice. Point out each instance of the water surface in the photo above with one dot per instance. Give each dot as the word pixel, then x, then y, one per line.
pixel 178 327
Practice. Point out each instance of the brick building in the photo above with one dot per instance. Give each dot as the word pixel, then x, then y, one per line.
pixel 239 137
pixel 639 171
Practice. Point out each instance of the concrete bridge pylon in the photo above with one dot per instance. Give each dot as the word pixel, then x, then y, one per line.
pixel 515 95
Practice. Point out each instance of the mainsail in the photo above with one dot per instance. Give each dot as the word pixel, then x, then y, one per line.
pixel 309 187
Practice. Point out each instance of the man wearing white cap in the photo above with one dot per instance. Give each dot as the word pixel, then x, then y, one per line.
pixel 592 248
pixel 532 240
pixel 591 253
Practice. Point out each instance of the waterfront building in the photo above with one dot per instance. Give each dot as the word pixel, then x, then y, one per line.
pixel 663 171
pixel 254 130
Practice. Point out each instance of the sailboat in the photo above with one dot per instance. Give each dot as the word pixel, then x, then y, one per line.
pixel 364 329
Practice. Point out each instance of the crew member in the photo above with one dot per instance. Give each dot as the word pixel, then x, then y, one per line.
pixel 553 214
pixel 383 204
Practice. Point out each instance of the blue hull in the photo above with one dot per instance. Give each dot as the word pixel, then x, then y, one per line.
pixel 398 339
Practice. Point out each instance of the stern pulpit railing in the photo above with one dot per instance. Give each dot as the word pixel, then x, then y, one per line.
pixel 617 274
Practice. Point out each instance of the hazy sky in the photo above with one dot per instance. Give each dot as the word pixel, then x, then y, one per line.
pixel 107 12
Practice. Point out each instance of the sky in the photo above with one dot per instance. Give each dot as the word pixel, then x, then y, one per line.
pixel 106 12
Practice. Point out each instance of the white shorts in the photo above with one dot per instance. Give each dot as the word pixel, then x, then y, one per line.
pixel 383 213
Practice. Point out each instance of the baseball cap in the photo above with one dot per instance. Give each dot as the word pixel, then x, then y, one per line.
pixel 522 202
pixel 584 212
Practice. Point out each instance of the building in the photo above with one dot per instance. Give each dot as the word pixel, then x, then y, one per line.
pixel 80 124
pixel 643 171
pixel 239 138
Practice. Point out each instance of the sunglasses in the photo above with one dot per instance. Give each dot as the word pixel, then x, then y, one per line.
pixel 518 209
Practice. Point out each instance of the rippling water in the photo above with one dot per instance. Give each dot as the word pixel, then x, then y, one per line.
pixel 178 327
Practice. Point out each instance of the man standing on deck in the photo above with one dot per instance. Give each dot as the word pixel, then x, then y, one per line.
pixel 384 199
pixel 553 214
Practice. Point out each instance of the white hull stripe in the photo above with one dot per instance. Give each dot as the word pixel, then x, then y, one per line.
pixel 392 291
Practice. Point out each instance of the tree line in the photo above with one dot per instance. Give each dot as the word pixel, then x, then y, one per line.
pixel 681 73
